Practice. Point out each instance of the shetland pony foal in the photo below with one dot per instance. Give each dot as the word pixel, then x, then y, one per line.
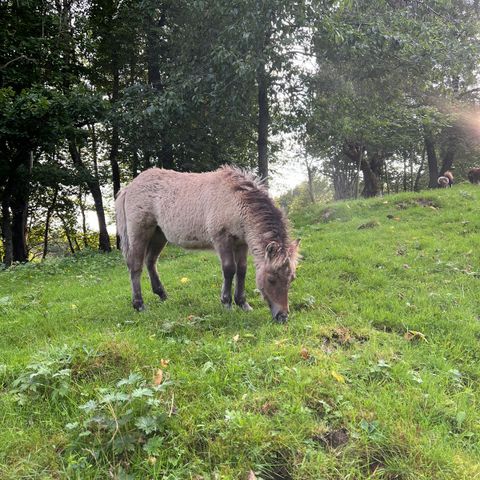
pixel 228 210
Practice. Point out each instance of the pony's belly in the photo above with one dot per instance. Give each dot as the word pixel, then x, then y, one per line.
pixel 195 245
pixel 191 242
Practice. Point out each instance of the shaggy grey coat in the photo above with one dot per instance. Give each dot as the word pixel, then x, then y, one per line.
pixel 228 210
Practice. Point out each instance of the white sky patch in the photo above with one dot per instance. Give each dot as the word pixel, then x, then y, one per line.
pixel 286 177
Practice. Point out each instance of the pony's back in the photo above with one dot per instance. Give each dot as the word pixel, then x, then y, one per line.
pixel 189 208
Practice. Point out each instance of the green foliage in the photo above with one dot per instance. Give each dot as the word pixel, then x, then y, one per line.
pixel 389 76
pixel 49 377
pixel 130 417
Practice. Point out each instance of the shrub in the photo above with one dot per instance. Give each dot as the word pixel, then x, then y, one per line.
pixel 121 420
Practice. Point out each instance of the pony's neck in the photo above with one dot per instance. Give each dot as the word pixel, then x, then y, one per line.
pixel 259 234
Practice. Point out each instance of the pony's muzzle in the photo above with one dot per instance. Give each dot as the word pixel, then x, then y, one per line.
pixel 279 315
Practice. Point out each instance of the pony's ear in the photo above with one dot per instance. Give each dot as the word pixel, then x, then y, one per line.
pixel 271 250
pixel 296 243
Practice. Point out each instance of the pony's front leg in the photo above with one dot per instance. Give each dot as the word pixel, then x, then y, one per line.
pixel 241 253
pixel 225 252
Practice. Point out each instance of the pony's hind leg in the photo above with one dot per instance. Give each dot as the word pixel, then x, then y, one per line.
pixel 224 248
pixel 135 257
pixel 241 252
pixel 155 246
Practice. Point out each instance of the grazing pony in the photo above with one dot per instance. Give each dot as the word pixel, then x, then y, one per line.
pixel 449 175
pixel 228 210
pixel 446 180
pixel 443 182
pixel 474 175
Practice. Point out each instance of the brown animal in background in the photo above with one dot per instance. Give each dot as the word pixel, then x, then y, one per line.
pixel 446 180
pixel 443 182
pixel 474 175
pixel 449 175
pixel 228 210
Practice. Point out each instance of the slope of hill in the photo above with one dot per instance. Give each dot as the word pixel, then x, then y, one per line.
pixel 376 375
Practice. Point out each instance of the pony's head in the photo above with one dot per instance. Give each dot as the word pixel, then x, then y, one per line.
pixel 275 275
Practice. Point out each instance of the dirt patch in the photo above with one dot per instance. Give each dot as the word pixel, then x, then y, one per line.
pixel 279 468
pixel 386 327
pixel 341 337
pixel 422 202
pixel 369 224
pixel 333 438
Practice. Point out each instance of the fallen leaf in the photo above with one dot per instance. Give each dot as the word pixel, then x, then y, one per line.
pixel 339 378
pixel 236 338
pixel 158 378
pixel 304 353
pixel 164 362
pixel 184 280
pixel 406 266
pixel 251 475
pixel 152 460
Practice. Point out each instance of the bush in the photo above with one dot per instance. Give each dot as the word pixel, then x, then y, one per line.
pixel 128 418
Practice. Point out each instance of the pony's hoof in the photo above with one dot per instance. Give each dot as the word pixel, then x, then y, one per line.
pixel 163 296
pixel 138 306
pixel 245 307
pixel 227 305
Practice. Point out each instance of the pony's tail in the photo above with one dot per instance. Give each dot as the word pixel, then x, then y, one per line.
pixel 121 220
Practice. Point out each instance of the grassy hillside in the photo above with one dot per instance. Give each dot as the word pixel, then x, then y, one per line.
pixel 376 375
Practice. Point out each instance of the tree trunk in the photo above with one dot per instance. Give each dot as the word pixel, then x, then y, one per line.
pixel 19 207
pixel 135 163
pixel 7 232
pixel 154 51
pixel 416 186
pixel 432 162
pixel 67 234
pixel 311 193
pixel 371 185
pixel 94 187
pixel 449 156
pixel 50 210
pixel 263 122
pixel 115 140
pixel 387 178
pixel 84 220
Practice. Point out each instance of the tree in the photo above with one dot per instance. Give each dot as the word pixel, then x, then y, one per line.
pixel 387 73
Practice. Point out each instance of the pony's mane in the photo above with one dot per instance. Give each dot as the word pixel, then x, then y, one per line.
pixel 268 221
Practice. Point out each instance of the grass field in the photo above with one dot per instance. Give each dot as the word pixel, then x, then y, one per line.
pixel 376 375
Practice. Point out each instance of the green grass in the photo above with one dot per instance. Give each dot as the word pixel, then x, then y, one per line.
pixel 376 375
